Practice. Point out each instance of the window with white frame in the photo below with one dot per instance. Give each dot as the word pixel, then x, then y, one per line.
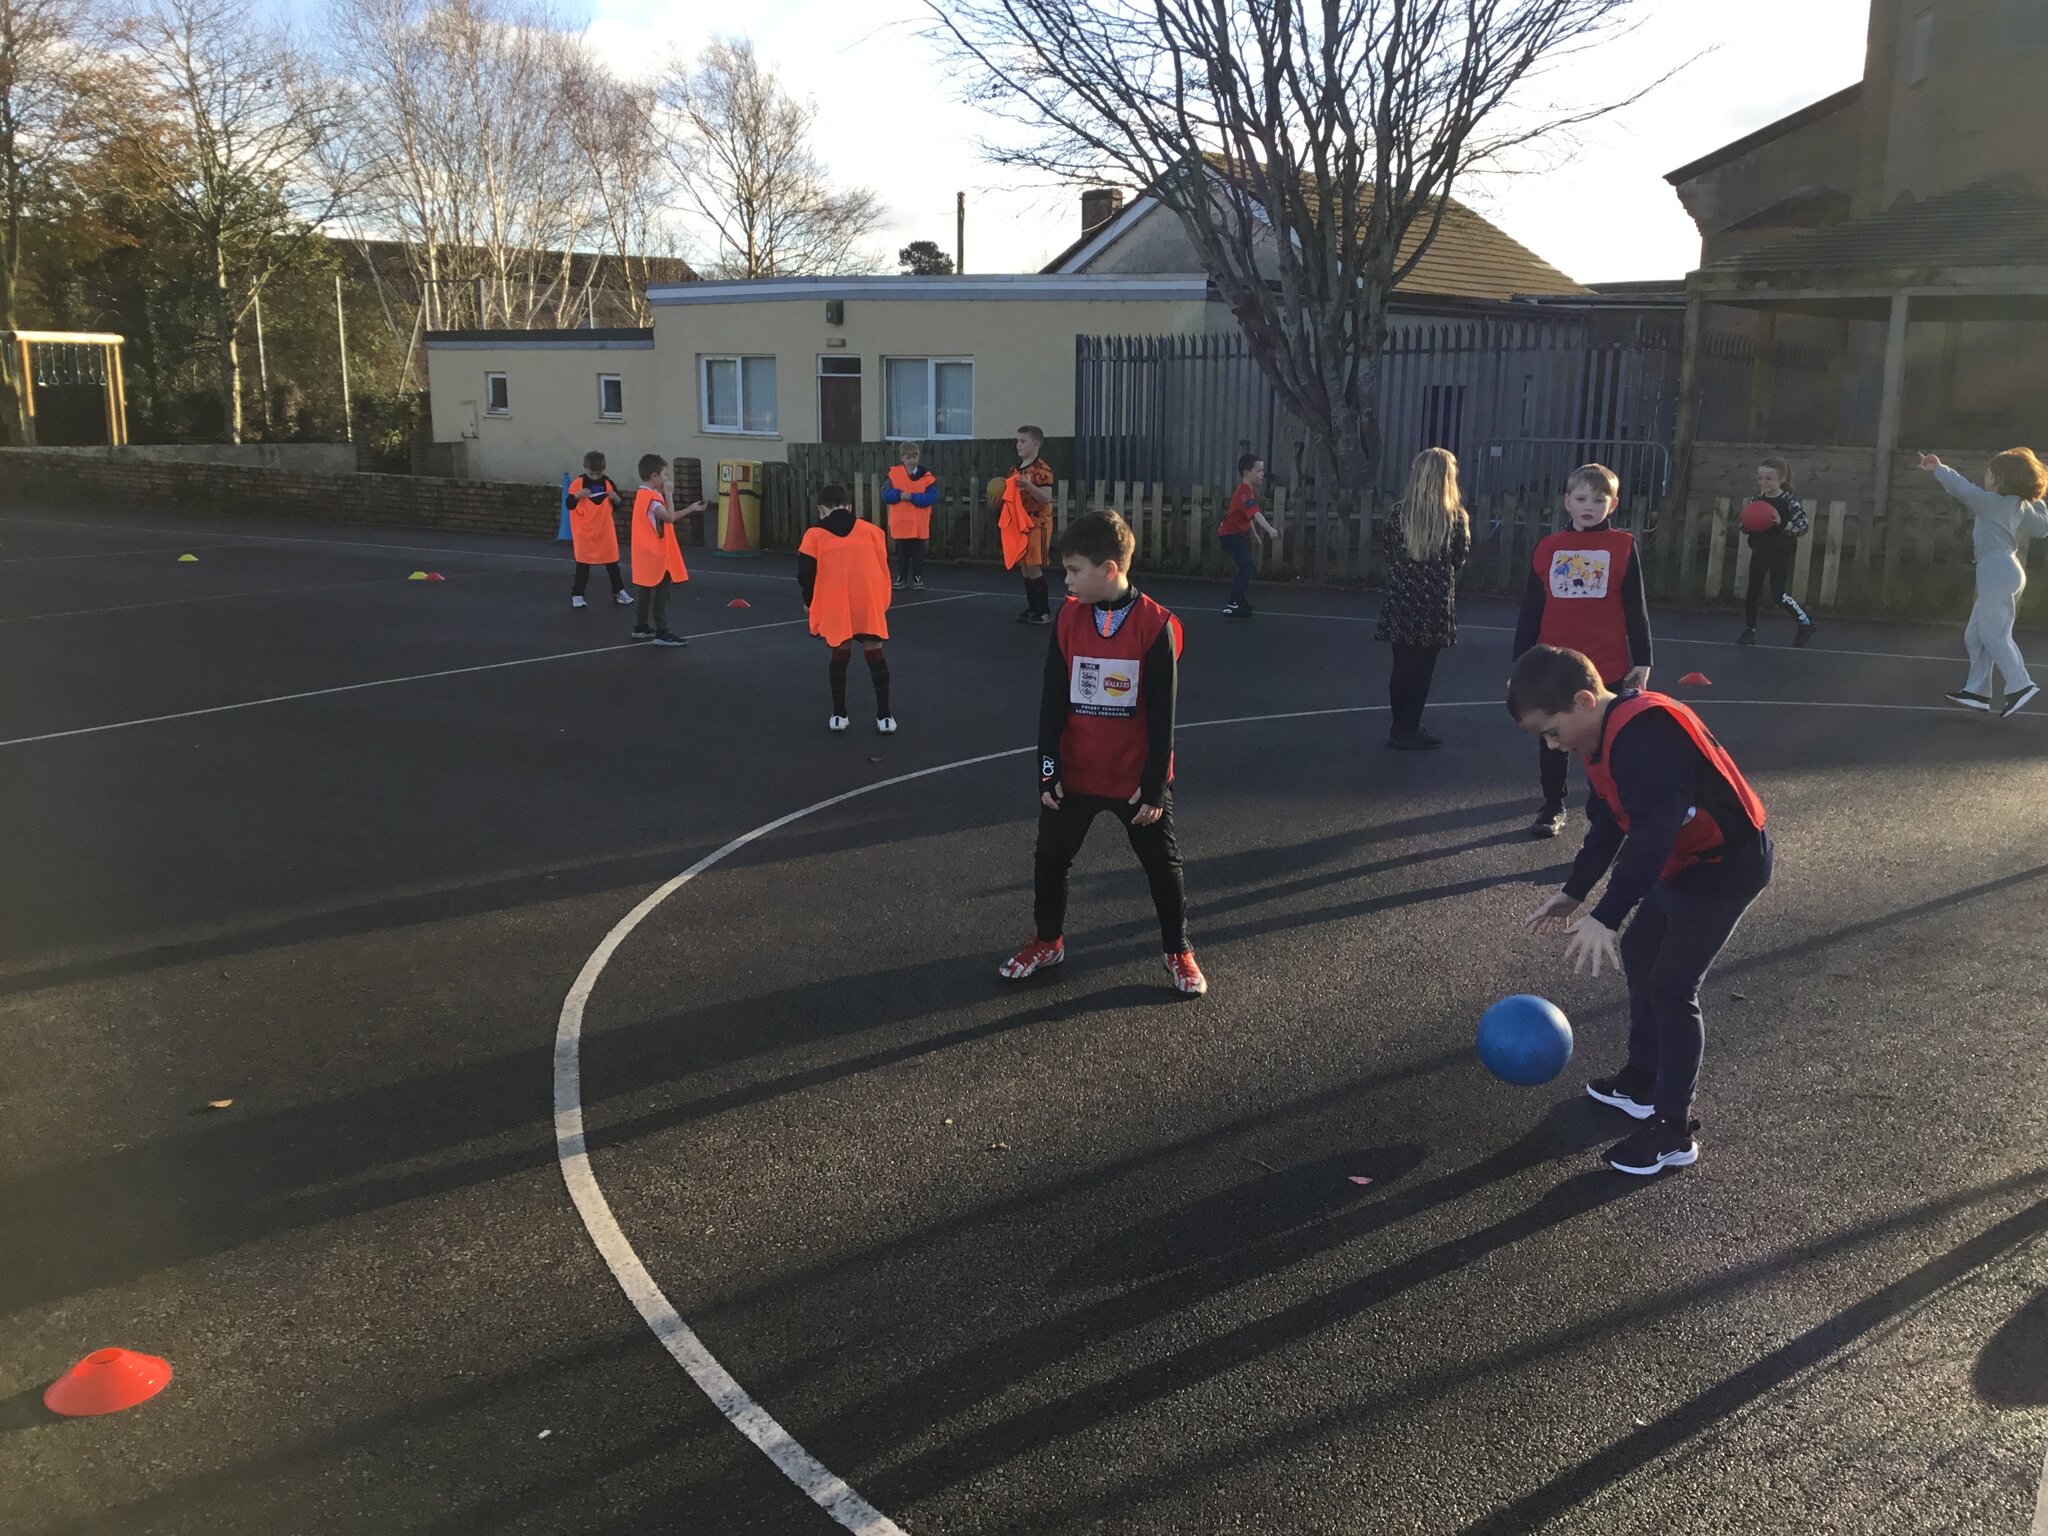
pixel 497 395
pixel 738 394
pixel 611 397
pixel 927 397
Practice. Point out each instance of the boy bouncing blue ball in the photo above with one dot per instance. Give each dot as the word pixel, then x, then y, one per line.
pixel 1524 1040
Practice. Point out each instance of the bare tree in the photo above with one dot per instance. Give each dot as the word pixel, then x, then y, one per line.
pixel 1308 147
pixel 468 122
pixel 43 85
pixel 742 148
pixel 618 143
pixel 237 158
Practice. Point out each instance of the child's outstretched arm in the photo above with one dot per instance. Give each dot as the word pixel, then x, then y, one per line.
pixel 1960 486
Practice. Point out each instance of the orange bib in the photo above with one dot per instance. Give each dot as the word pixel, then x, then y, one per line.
pixel 851 594
pixel 1015 523
pixel 594 535
pixel 907 520
pixel 655 551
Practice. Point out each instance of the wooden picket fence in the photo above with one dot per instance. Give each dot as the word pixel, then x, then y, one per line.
pixel 1918 566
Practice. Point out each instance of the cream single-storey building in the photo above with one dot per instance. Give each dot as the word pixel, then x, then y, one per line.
pixel 739 370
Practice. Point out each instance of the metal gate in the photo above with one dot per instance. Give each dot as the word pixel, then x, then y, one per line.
pixel 1520 398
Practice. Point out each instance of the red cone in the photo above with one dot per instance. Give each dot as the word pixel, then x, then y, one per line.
pixel 106 1381
pixel 1696 680
pixel 435 576
pixel 739 602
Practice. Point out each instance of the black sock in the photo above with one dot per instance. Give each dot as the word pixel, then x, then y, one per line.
pixel 1036 591
pixel 878 669
pixel 842 657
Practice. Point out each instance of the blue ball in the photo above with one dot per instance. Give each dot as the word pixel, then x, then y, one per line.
pixel 1524 1040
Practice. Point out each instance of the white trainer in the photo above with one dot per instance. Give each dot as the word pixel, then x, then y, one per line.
pixel 886 725
pixel 837 723
pixel 623 596
pixel 577 601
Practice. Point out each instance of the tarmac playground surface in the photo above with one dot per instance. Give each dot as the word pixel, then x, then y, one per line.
pixel 527 1138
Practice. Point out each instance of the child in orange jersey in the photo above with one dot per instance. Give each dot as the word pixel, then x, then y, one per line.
pixel 1026 523
pixel 657 558
pixel 594 535
pixel 842 565
pixel 910 494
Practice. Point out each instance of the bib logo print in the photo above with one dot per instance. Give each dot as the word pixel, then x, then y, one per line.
pixel 1579 573
pixel 1100 685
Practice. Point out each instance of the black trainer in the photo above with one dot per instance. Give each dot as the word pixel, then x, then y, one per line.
pixel 1747 637
pixel 1804 636
pixel 1967 699
pixel 1549 822
pixel 1632 1096
pixel 1028 616
pixel 2016 702
pixel 1657 1146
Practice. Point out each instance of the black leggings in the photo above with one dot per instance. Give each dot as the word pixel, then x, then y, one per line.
pixel 910 559
pixel 1771 562
pixel 1060 836
pixel 583 578
pixel 1408 685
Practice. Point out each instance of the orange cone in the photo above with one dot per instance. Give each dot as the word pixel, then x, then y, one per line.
pixel 106 1381
pixel 739 602
pixel 735 541
pixel 1696 680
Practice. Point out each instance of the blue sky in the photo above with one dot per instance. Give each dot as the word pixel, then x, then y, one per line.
pixel 1598 208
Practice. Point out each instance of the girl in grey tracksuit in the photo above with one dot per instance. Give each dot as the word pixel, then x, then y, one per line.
pixel 2005 512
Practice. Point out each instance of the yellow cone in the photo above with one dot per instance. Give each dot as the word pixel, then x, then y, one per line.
pixel 417 576
pixel 182 559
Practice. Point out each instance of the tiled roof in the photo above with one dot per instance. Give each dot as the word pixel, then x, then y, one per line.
pixel 1470 258
pixel 1987 225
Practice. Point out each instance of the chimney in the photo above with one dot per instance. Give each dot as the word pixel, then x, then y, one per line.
pixel 1098 206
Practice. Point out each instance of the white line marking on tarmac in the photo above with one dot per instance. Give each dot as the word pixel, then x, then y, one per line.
pixel 111 554
pixel 823 1487
pixel 1509 629
pixel 224 540
pixel 417 677
pixel 428 549
pixel 221 597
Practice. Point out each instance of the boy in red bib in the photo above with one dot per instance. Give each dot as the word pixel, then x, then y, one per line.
pixel 1585 593
pixel 1105 743
pixel 1684 833
pixel 842 567
pixel 594 535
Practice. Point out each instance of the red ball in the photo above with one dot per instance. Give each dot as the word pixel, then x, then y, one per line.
pixel 1759 517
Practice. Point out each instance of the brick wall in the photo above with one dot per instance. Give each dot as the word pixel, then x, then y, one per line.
pixel 39 476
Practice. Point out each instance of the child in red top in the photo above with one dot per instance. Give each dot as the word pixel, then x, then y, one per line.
pixel 1585 592
pixel 1105 743
pixel 1234 532
pixel 1684 834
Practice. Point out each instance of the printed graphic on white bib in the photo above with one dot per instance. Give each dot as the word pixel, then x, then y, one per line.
pixel 1103 686
pixel 1579 573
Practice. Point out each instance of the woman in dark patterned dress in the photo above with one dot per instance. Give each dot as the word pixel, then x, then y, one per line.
pixel 1425 543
